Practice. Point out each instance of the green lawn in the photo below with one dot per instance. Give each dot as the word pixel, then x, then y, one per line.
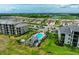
pixel 48 46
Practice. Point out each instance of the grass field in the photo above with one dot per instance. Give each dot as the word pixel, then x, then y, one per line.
pixel 9 46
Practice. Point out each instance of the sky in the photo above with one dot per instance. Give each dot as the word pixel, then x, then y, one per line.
pixel 39 8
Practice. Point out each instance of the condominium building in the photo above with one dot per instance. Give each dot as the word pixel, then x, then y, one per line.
pixel 13 27
pixel 69 35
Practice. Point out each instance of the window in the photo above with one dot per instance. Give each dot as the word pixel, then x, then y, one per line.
pixel 68 42
pixel 69 35
pixel 68 38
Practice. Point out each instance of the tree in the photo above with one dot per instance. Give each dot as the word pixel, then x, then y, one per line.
pixel 57 22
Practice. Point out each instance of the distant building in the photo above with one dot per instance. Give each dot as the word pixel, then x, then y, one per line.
pixel 13 27
pixel 69 35
pixel 36 20
pixel 69 22
pixel 50 22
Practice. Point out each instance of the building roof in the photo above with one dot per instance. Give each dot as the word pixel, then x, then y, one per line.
pixel 69 28
pixel 74 27
pixel 12 21
pixel 65 30
pixel 9 21
pixel 20 25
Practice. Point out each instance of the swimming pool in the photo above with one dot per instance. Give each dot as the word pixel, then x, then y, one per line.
pixel 35 40
pixel 40 35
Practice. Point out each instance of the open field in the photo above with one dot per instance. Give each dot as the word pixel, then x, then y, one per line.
pixel 9 46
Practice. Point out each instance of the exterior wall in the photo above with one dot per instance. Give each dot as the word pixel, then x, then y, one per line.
pixel 59 35
pixel 71 42
pixel 7 29
pixel 0 28
pixel 78 43
pixel 10 29
pixel 67 39
pixel 75 40
pixel 21 30
pixel 24 29
pixel 18 31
